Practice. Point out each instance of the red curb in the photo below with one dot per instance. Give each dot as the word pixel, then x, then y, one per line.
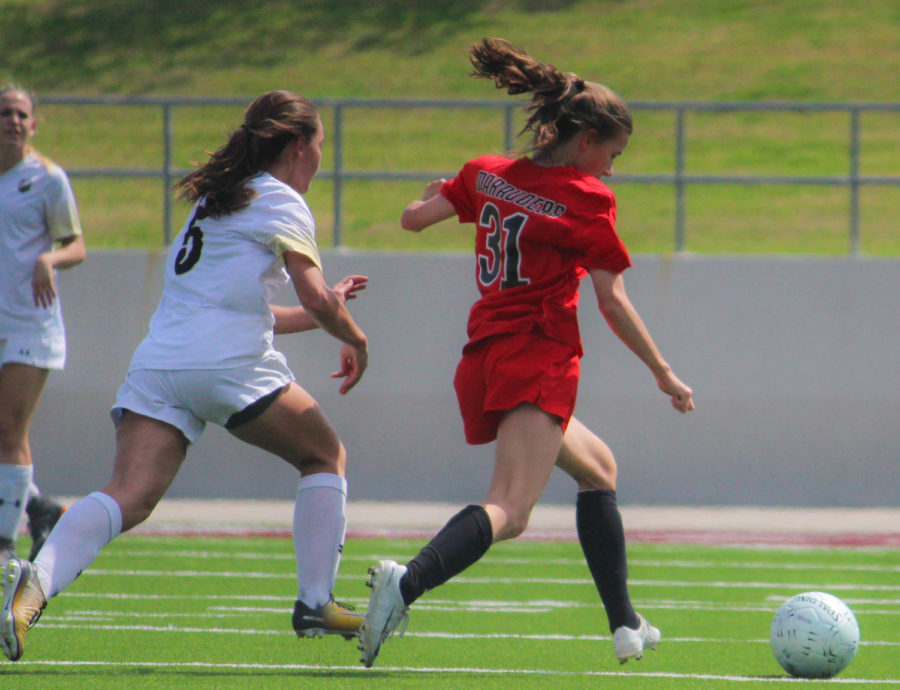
pixel 711 538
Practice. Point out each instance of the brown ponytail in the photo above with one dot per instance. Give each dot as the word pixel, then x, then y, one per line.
pixel 562 103
pixel 271 122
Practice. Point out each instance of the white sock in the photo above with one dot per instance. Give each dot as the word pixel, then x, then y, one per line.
pixel 33 490
pixel 319 528
pixel 84 529
pixel 14 483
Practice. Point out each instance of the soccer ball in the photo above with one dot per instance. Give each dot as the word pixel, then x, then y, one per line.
pixel 814 635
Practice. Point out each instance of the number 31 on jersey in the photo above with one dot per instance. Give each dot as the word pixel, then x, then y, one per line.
pixel 501 258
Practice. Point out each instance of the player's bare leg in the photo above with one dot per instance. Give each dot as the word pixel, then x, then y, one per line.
pixel 294 428
pixel 588 460
pixel 527 442
pixel 21 386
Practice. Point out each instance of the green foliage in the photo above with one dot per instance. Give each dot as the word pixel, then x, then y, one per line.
pixel 648 50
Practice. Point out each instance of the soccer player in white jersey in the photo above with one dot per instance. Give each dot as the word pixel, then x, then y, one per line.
pixel 209 356
pixel 39 233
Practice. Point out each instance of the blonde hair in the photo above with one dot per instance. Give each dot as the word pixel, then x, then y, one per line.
pixel 562 103
pixel 270 123
pixel 18 88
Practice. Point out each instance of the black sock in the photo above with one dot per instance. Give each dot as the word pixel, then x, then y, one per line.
pixel 602 539
pixel 461 542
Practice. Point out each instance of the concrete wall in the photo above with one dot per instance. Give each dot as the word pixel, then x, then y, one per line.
pixel 795 364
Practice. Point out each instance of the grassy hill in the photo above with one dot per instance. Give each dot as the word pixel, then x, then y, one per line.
pixel 646 49
pixel 809 50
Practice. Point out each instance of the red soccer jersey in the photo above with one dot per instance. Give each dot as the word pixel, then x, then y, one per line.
pixel 538 231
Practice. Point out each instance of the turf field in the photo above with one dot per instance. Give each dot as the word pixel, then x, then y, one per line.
pixel 174 612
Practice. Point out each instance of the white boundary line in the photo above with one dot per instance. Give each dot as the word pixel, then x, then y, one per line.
pixel 792 586
pixel 443 670
pixel 74 622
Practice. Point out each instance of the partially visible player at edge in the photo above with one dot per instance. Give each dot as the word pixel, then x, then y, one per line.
pixel 209 357
pixel 543 223
pixel 40 233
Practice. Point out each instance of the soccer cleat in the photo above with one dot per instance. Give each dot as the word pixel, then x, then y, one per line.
pixel 332 618
pixel 630 643
pixel 23 603
pixel 42 516
pixel 386 611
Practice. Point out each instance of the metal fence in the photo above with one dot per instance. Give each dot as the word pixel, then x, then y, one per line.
pixel 679 178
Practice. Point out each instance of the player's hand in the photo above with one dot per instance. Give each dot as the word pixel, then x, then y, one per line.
pixel 354 361
pixel 349 286
pixel 432 189
pixel 682 395
pixel 43 287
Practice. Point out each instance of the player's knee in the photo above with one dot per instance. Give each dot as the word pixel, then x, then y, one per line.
pixel 135 511
pixel 332 460
pixel 12 444
pixel 598 472
pixel 601 480
pixel 137 498
pixel 340 462
pixel 517 527
pixel 135 516
pixel 516 523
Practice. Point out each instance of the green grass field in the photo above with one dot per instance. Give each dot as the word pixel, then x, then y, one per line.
pixel 648 50
pixel 176 612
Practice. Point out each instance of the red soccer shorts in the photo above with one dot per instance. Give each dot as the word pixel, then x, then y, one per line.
pixel 504 371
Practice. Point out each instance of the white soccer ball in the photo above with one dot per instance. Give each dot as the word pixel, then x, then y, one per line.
pixel 814 635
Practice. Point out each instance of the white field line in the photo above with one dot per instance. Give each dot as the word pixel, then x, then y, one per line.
pixel 92 620
pixel 443 670
pixel 62 624
pixel 547 607
pixel 100 615
pixel 524 561
pixel 534 606
pixel 470 607
pixel 491 606
pixel 848 600
pixel 547 602
pixel 762 566
pixel 792 586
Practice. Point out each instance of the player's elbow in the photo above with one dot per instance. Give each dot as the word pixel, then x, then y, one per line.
pixel 610 305
pixel 75 251
pixel 320 303
pixel 410 221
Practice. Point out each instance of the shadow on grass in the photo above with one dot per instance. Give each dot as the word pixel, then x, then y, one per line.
pixel 83 43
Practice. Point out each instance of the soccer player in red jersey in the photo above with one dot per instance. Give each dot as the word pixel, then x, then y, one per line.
pixel 543 222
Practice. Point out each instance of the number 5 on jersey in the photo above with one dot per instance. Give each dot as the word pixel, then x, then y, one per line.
pixel 192 245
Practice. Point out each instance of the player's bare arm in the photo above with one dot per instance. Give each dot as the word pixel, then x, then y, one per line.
pixel 330 313
pixel 432 209
pixel 295 319
pixel 71 252
pixel 627 324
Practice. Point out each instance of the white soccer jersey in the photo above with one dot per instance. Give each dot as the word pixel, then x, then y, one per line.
pixel 37 208
pixel 221 274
